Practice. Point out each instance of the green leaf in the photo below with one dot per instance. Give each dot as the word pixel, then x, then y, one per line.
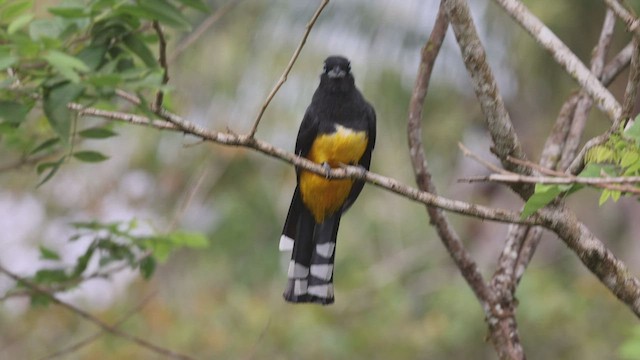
pixel 134 43
pixel 543 195
pixel 50 276
pixel 45 145
pixel 147 266
pixel 90 156
pixel 67 65
pixel 604 196
pixel 39 299
pixel 48 254
pixel 159 10
pixel 195 4
pixel 97 133
pixel 55 106
pixel 105 80
pixel 53 168
pixel 628 158
pixel 19 22
pixel 93 56
pixel 615 195
pixel 13 112
pixel 189 239
pixel 44 29
pixel 633 131
pixel 68 12
pixel 14 9
pixel 6 59
pixel 83 261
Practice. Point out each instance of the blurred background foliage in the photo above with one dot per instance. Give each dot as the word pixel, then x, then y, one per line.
pixel 398 295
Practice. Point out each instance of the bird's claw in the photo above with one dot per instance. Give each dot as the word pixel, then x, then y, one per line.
pixel 327 170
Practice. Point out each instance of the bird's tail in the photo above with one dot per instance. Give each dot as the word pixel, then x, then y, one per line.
pixel 311 268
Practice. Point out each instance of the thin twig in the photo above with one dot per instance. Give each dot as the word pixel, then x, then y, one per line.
pixel 87 316
pixel 617 65
pixel 88 340
pixel 284 75
pixel 563 56
pixel 201 29
pixel 568 180
pixel 162 59
pixel 468 153
pixel 539 168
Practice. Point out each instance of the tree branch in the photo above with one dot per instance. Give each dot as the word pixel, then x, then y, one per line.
pixel 583 107
pixel 499 124
pixel 87 316
pixel 88 340
pixel 354 172
pixel 162 60
pixel 445 230
pixel 632 22
pixel 612 272
pixel 563 56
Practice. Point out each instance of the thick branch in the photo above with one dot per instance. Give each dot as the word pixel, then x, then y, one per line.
pixel 563 56
pixel 612 272
pixel 446 232
pixel 499 124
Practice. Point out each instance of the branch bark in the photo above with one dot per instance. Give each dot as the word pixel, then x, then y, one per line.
pixel 563 56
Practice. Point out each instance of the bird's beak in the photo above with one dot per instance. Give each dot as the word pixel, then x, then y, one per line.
pixel 336 73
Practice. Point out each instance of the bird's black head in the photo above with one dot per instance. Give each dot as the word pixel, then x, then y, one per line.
pixel 336 74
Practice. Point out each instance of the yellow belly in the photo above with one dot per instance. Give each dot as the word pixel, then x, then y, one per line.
pixel 323 197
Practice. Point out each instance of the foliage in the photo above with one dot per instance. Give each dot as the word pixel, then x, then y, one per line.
pixel 80 51
pixel 112 247
pixel 630 349
pixel 618 156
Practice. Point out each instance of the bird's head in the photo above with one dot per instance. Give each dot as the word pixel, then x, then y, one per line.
pixel 337 73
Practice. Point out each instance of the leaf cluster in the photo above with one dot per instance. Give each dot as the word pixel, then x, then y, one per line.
pixel 619 156
pixel 79 51
pixel 113 247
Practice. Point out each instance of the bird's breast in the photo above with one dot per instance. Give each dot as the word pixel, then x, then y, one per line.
pixel 343 146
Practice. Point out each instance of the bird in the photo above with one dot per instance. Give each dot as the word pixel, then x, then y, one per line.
pixel 338 128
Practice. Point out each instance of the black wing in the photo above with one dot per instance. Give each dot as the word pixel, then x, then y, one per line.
pixel 365 161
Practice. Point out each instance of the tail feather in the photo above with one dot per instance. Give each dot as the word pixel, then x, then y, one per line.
pixel 311 269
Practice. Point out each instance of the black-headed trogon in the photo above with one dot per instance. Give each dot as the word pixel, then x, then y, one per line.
pixel 339 127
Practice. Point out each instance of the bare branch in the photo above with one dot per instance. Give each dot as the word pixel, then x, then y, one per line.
pixel 201 29
pixel 617 64
pixel 284 75
pixel 87 316
pixel 563 56
pixel 631 91
pixel 446 232
pixel 162 59
pixel 468 153
pixel 499 124
pixel 583 107
pixel 88 340
pixel 632 22
pixel 354 172
pixel 612 272
pixel 568 180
